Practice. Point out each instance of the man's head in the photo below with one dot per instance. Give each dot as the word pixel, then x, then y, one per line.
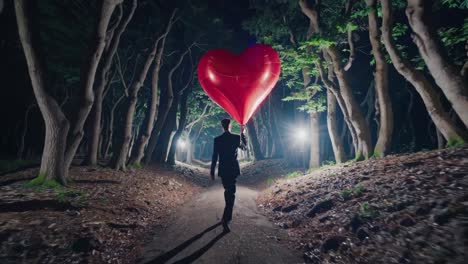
pixel 225 123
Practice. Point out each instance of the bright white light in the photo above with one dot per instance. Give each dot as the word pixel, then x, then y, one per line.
pixel 181 143
pixel 301 135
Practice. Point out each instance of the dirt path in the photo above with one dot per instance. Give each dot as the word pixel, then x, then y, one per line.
pixel 195 236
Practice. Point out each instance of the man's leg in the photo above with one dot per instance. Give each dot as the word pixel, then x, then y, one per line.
pixel 229 184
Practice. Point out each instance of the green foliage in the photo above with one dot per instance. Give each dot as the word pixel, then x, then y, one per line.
pixel 454 39
pixel 399 30
pixel 137 165
pixel 328 163
pixel 41 182
pixel 317 41
pixel 455 142
pixel 358 156
pixel 355 191
pixel 455 3
pixel 294 174
pixel 63 193
pixel 366 211
pixel 350 26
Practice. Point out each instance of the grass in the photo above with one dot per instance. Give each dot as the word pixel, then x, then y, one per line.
pixel 455 142
pixel 137 165
pixel 367 212
pixel 294 174
pixel 64 194
pixel 11 165
pixel 355 191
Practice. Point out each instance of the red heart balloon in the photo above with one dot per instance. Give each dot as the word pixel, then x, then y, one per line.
pixel 239 83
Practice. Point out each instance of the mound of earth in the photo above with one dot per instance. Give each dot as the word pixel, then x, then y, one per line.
pixel 398 209
pixel 103 216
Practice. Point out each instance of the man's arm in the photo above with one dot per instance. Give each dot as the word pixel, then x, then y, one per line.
pixel 214 159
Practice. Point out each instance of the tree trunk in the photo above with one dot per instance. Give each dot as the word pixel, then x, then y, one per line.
pixel 384 138
pixel 328 81
pixel 163 111
pixel 254 141
pixel 440 139
pixel 111 125
pixel 358 126
pixel 148 124
pixel 356 118
pixel 446 75
pixel 88 74
pixel 180 128
pixel 57 155
pixel 335 139
pixel 314 161
pixel 119 159
pixel 165 136
pixel 428 94
pixel 103 80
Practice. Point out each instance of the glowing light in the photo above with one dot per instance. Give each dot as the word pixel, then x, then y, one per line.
pixel 182 144
pixel 301 135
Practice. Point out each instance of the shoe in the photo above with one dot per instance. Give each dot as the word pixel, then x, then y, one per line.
pixel 226 226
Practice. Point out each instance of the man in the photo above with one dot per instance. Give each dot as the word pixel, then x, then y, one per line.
pixel 225 146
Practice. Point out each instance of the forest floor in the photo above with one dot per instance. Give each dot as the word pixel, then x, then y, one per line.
pixel 398 209
pixel 103 216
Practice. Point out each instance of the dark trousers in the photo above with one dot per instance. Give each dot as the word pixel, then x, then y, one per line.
pixel 229 184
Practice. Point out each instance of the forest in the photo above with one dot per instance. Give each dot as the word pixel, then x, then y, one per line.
pixel 105 121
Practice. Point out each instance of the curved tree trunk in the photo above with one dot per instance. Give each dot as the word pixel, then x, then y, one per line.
pixel 103 80
pixel 446 75
pixel 334 89
pixel 428 94
pixel 355 115
pixel 119 159
pixel 253 139
pixel 165 107
pixel 88 74
pixel 148 124
pixel 384 138
pixel 57 154
pixel 335 139
pixel 180 128
pixel 164 139
pixel 361 128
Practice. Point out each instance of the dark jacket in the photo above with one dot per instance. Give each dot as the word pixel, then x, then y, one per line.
pixel 225 147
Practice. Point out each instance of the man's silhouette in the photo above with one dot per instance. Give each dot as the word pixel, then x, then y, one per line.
pixel 225 147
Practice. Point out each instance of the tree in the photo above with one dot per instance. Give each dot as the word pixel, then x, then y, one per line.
pixel 152 113
pixel 384 138
pixel 119 158
pixel 180 127
pixel 61 143
pixel 423 86
pixel 445 74
pixel 103 80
